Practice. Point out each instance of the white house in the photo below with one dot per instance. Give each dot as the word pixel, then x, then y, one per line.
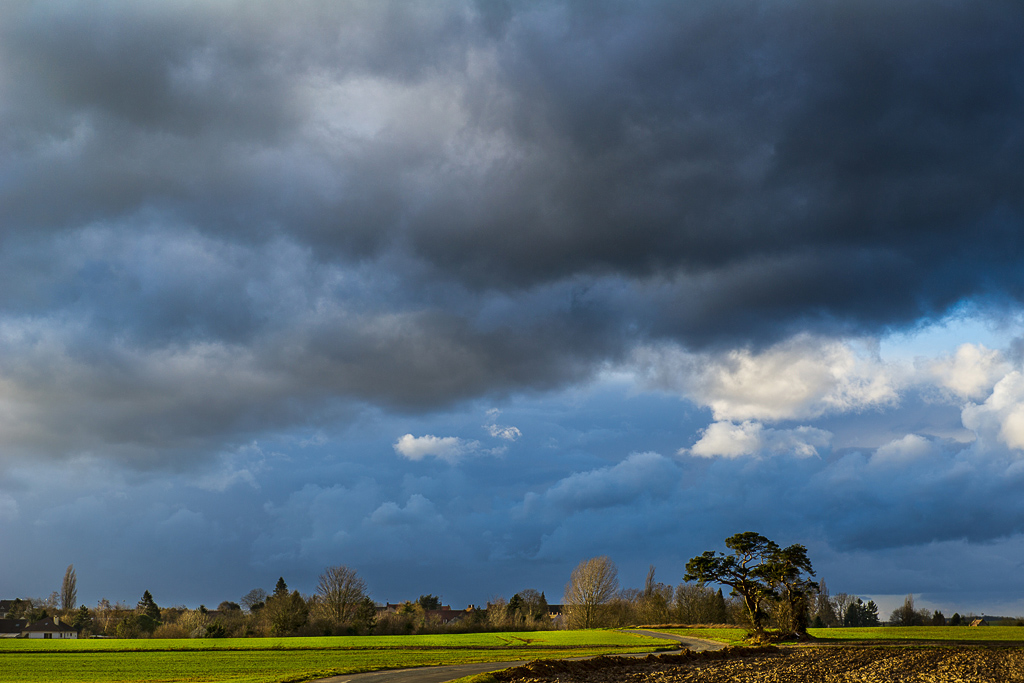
pixel 50 627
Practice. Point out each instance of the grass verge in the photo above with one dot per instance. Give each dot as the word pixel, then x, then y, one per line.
pixel 280 660
pixel 953 634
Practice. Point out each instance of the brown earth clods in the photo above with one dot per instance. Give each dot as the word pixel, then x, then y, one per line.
pixel 789 665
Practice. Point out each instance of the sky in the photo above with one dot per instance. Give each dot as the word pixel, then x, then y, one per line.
pixel 459 294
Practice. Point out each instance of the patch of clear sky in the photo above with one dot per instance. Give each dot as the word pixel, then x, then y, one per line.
pixel 944 336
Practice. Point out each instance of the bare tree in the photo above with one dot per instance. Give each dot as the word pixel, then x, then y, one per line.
pixel 696 603
pixel 824 608
pixel 341 591
pixel 592 584
pixel 254 599
pixel 653 606
pixel 840 605
pixel 907 615
pixel 649 583
pixel 69 589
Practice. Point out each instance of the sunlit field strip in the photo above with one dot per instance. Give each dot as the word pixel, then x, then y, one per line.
pixel 1003 634
pixel 1006 634
pixel 263 662
pixel 527 639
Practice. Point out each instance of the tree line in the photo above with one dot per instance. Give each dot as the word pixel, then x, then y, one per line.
pixel 770 588
pixel 339 606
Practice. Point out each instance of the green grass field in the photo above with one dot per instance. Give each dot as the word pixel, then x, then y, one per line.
pixel 962 634
pixel 265 660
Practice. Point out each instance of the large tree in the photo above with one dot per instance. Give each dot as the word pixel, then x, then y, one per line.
pixel 591 585
pixel 758 571
pixel 69 589
pixel 254 599
pixel 286 613
pixel 789 574
pixel 341 592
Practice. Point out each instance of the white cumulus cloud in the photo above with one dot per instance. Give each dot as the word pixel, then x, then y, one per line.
pixel 451 449
pixel 507 432
pixel 1001 416
pixel 729 440
pixel 803 377
pixel 971 372
pixel 910 448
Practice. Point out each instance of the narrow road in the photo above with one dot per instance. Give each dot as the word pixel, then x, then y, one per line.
pixel 440 674
pixel 695 644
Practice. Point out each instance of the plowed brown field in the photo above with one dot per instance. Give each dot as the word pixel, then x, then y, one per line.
pixel 791 665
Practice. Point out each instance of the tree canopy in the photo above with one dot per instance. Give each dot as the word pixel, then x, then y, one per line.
pixel 760 572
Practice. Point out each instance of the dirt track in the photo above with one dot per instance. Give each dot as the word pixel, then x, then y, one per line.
pixel 790 665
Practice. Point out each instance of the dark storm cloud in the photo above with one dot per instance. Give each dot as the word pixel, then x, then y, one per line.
pixel 680 139
pixel 414 204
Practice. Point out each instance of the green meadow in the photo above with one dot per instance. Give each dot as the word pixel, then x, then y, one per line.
pixel 962 634
pixel 267 660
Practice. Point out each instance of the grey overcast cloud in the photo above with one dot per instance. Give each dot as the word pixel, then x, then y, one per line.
pixel 459 294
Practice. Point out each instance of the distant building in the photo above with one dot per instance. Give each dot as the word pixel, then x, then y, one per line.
pixel 447 615
pixel 50 627
pixel 557 615
pixel 12 628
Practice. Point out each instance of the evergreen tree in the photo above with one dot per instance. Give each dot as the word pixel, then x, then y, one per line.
pixel 148 607
pixel 82 619
pixel 514 609
pixel 860 614
pixel 871 614
pixel 281 589
pixel 149 614
pixel 720 613
pixel 540 609
pixel 760 572
pixel 429 601
pixel 287 613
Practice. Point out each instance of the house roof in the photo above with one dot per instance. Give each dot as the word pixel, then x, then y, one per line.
pixel 49 624
pixel 12 625
pixel 445 614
